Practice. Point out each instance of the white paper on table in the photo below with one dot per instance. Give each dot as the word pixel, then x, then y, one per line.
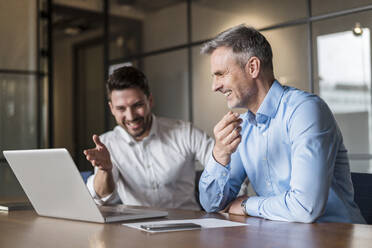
pixel 205 223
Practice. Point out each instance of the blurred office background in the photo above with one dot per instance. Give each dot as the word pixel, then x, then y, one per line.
pixel 56 55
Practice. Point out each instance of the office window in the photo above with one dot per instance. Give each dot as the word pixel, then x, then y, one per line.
pixel 342 74
pixel 18 108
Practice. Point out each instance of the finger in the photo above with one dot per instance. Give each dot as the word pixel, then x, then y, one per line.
pixel 231 128
pixel 97 141
pixel 91 153
pixel 232 136
pixel 235 143
pixel 90 158
pixel 97 159
pixel 95 155
pixel 226 120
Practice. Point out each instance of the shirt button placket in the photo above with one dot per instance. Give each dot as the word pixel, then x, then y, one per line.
pixel 266 161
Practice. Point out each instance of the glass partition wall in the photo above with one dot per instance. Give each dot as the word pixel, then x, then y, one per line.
pixel 342 77
pixel 24 84
pixel 315 49
pixel 319 46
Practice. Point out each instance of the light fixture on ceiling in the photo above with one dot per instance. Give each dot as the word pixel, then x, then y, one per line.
pixel 357 30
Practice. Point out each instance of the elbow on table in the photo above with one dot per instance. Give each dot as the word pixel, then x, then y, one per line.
pixel 306 215
pixel 304 209
pixel 306 218
pixel 210 207
pixel 210 210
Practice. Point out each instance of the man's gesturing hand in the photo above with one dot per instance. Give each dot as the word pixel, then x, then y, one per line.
pixel 227 135
pixel 99 156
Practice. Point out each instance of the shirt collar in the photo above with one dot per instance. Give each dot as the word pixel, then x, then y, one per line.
pixel 129 139
pixel 269 106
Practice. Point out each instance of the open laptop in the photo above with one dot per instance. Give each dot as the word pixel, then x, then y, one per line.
pixel 55 188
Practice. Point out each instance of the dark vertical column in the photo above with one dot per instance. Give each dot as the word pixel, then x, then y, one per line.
pixel 38 78
pixel 189 58
pixel 50 74
pixel 310 46
pixel 106 9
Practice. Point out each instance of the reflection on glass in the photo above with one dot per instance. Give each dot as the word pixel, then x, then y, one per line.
pixel 344 68
pixel 150 25
pixel 18 112
pixel 125 36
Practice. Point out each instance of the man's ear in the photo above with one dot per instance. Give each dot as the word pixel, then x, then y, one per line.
pixel 111 107
pixel 253 67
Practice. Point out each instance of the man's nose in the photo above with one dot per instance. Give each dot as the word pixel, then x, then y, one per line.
pixel 216 85
pixel 129 114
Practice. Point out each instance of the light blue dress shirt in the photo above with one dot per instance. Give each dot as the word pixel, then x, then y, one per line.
pixel 293 154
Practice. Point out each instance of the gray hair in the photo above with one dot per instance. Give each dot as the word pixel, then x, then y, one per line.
pixel 245 42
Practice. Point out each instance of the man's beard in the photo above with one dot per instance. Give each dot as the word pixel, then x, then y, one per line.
pixel 146 125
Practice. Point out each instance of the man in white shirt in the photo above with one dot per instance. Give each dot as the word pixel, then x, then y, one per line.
pixel 145 160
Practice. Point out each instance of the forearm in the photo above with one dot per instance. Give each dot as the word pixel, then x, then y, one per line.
pixel 289 206
pixel 104 183
pixel 218 186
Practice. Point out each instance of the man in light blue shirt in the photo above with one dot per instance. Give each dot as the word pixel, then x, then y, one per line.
pixel 288 143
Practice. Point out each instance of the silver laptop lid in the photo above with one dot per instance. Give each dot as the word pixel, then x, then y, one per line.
pixel 53 184
pixel 55 188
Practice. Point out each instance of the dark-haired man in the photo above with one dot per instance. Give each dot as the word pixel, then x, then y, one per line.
pixel 288 143
pixel 146 160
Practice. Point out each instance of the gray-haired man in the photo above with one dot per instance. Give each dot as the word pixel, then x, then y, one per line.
pixel 288 143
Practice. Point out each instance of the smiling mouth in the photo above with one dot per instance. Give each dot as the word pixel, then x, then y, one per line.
pixel 227 93
pixel 134 124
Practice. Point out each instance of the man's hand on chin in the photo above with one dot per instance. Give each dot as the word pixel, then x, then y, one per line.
pixel 235 206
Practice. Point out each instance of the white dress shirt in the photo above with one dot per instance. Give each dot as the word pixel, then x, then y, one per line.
pixel 158 171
